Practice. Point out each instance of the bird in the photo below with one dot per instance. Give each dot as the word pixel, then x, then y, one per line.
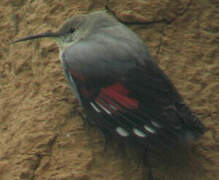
pixel 121 88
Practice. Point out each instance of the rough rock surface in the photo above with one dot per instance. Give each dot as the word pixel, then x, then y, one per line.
pixel 41 134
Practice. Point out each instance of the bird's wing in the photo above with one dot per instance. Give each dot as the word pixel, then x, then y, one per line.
pixel 126 98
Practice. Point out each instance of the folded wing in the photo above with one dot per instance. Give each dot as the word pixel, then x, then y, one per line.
pixel 128 98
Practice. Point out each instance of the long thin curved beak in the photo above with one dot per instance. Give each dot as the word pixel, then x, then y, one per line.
pixel 42 35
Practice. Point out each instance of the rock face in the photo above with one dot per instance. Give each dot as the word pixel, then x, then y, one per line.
pixel 41 134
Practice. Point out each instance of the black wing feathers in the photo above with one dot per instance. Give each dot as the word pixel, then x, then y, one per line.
pixel 156 118
pixel 128 96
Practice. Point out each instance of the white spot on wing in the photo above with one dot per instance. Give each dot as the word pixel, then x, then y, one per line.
pixel 102 107
pixel 149 129
pixel 156 124
pixel 95 107
pixel 122 132
pixel 139 133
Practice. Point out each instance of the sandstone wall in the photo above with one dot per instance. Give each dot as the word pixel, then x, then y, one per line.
pixel 41 134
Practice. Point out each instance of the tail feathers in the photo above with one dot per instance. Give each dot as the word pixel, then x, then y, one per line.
pixel 193 126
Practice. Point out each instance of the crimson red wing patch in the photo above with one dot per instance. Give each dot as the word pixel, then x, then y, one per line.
pixel 117 94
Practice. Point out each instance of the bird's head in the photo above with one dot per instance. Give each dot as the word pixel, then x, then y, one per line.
pixel 65 36
pixel 76 28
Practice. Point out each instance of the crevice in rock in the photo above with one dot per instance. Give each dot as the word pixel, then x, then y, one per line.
pixel 41 155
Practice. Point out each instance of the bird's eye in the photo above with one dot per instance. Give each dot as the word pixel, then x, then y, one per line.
pixel 71 30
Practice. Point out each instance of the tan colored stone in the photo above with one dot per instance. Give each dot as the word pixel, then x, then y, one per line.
pixel 41 134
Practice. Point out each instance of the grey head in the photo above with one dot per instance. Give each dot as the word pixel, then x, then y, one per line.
pixel 75 28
